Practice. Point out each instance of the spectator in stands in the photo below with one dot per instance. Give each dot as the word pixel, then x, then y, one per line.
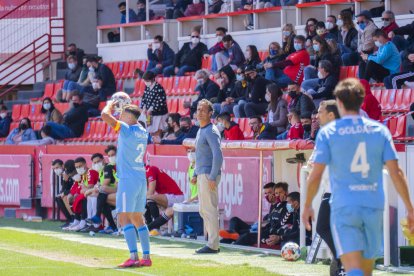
pixel 73 50
pixel 187 131
pixel 207 88
pixel 348 40
pixel 232 54
pixel 299 102
pixel 45 138
pixel 103 73
pixel 332 27
pixel 114 36
pixel 50 112
pixel 291 69
pixel 142 12
pixel 154 104
pixel 5 121
pixel 310 33
pixel 296 129
pixel 388 19
pixel 195 9
pixel 176 8
pixel 396 81
pixel 306 122
pixel 277 120
pixel 387 60
pixel 225 7
pixel 257 126
pixel 322 52
pixel 72 75
pixel 226 82
pixel 22 133
pixel 64 173
pixel 323 32
pixel 370 105
pixel 252 56
pixel 325 85
pixel 218 47
pixel 92 98
pixel 256 104
pixel 73 120
pixel 188 58
pixel 160 55
pixel 275 55
pixel 230 129
pixel 173 127
pixel 366 45
pixel 377 11
pixel 214 6
pixel 288 35
pixel 397 36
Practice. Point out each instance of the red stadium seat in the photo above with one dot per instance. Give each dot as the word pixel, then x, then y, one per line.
pixel 25 111
pixel 99 131
pixel 398 100
pixel 181 109
pixel 184 85
pixel 138 89
pixel 193 84
pixel 87 130
pixel 49 91
pixel 119 72
pixel 352 72
pixel 408 98
pixel 62 107
pixel 111 135
pixel 38 125
pixel 135 102
pixel 175 86
pixel 14 125
pixel 400 128
pixel 35 114
pixel 206 63
pixel 16 112
pixel 377 94
pixel 388 99
pixel 120 85
pixel 343 73
pixel 58 86
pixel 125 70
pixel 168 84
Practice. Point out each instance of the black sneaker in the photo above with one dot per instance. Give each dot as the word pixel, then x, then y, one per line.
pixel 85 229
pixel 207 250
pixel 66 224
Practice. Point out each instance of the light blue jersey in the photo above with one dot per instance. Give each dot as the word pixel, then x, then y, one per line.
pixel 355 149
pixel 132 143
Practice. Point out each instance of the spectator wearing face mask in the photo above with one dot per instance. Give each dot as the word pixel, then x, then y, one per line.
pixel 366 44
pixel 207 88
pixel 288 36
pixel 195 9
pixel 188 58
pixel 22 133
pixel 173 127
pixel 323 32
pixel 239 95
pixel 385 62
pixel 114 36
pixel 322 52
pixel 218 47
pixel 232 54
pixel 160 55
pixel 296 130
pixel 50 112
pixel 73 50
pixel 252 56
pixel 230 129
pixel 389 24
pixel 5 121
pixel 276 54
pixel 45 138
pixel 310 32
pixel 332 27
pixel 257 126
pixel 277 120
pixel 187 131
pixel 306 121
pixel 64 173
pixel 299 102
pixel 349 39
pixel 103 73
pixel 226 82
pixel 214 6
pixel 142 12
pixel 72 75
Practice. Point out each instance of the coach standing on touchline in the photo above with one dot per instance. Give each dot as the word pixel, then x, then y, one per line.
pixel 209 159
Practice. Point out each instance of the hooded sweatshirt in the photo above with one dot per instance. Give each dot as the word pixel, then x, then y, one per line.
pixel 370 105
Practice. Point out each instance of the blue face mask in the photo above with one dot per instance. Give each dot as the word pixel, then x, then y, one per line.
pixel 298 46
pixel 239 77
pixel 289 207
pixel 362 25
pixel 273 52
pixel 316 47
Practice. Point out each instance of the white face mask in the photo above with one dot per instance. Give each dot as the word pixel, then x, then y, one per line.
pixel 80 171
pixel 329 25
pixel 91 69
pixel 195 40
pixel 320 76
pixel 147 83
pixel 286 33
pixel 220 127
pixel 248 55
pixel 339 23
pixel 200 81
pixel 98 166
pixel 71 66
pixel 3 115
pixel 195 2
pixel 378 44
pixel 112 159
pixel 47 106
pixel 267 97
pixel 58 171
pixel 156 45
pixel 219 38
pixel 77 177
pixel 191 156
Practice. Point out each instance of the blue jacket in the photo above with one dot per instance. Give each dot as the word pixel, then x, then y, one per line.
pixel 167 55
pixel 388 56
pixel 28 135
pixel 5 126
pixel 132 17
pixel 192 133
pixel 236 54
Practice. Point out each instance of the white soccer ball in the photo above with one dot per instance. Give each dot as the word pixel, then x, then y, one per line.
pixel 120 99
pixel 291 252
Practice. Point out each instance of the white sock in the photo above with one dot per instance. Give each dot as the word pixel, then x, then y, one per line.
pixel 133 256
pixel 82 223
pixel 96 225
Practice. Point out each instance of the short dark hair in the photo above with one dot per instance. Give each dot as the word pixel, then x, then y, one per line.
pixel 331 106
pixel 99 155
pixel 227 38
pixel 57 161
pixel 186 119
pixel 283 185
pixel 221 29
pixel 132 109
pixel 270 185
pixel 378 33
pixel 306 115
pixel 80 160
pixel 141 2
pixel 300 38
pixel 332 16
pixel 294 196
pixel 76 93
pixel 259 118
pixel 92 59
pixel 110 147
pixel 46 129
pixel 159 38
pixel 225 116
pixel 72 57
pixel 122 4
pixel 175 117
pixel 72 45
pixel 351 93
pixel 148 76
pixel 320 24
pixel 326 65
pixel 3 107
pixel 69 166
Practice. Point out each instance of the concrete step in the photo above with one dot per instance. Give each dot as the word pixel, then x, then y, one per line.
pixel 27 95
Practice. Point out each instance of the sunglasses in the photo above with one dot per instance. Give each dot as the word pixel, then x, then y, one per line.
pixel 194 36
pixel 386 19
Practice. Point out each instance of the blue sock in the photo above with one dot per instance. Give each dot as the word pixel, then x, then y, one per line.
pixel 145 242
pixel 130 235
pixel 355 272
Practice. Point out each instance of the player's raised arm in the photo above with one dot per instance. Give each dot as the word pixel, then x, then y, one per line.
pixel 107 116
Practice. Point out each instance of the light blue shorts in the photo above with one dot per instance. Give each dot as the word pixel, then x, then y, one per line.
pixel 131 196
pixel 356 228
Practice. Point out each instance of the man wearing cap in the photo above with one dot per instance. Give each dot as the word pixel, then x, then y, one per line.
pixel 366 43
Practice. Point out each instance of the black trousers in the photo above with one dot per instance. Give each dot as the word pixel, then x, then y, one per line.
pixel 323 226
pixel 375 71
pixel 62 207
pixel 237 225
pixel 114 37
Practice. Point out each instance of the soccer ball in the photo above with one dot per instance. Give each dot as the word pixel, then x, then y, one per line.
pixel 291 252
pixel 120 99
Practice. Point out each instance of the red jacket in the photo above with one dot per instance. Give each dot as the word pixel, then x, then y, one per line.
pixel 295 132
pixel 370 105
pixel 233 133
pixel 390 28
pixel 299 58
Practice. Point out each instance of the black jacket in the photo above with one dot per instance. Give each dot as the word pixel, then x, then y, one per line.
pixel 108 81
pixel 167 55
pixel 240 91
pixel 407 65
pixel 258 89
pixel 302 104
pixel 208 90
pixel 406 30
pixel 190 57
pixel 192 133
pixel 228 89
pixel 5 126
pixel 75 118
pixel 336 33
pixel 66 185
pixel 326 88
pixel 351 39
pixel 73 75
pixel 276 217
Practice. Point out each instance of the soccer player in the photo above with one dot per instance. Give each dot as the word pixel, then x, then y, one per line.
pixel 132 185
pixel 355 149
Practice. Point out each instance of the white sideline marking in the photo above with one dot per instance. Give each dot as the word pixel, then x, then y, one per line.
pixel 9 166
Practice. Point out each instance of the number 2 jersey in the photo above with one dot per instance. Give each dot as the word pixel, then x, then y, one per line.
pixel 132 144
pixel 355 149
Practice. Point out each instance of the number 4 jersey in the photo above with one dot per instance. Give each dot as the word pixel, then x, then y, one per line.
pixel 132 143
pixel 355 149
